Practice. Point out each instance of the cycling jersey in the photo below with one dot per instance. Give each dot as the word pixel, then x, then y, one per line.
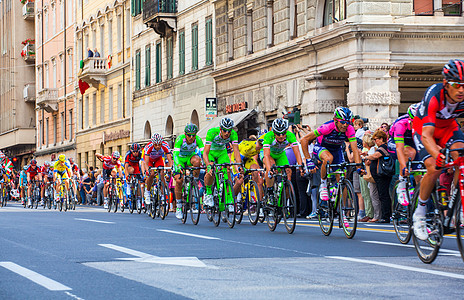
pixel 74 168
pixel 59 168
pixel 400 132
pixel 47 172
pixel 182 149
pixel 277 148
pixel 154 154
pixel 108 163
pixel 133 161
pixel 217 143
pixel 329 137
pixel 248 149
pixel 33 172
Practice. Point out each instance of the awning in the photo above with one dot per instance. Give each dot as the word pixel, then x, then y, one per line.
pixel 236 117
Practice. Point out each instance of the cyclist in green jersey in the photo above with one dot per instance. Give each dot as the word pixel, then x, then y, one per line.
pixel 215 151
pixel 274 145
pixel 184 156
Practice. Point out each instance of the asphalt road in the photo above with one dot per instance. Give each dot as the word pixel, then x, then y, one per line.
pixel 92 254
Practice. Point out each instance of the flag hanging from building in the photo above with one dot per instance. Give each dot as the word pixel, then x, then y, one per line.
pixel 83 86
pixel 8 166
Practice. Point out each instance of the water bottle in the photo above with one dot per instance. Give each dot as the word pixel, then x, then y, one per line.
pixel 443 195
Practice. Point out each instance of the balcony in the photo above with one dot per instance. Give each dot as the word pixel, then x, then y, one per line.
pixel 28 10
pixel 161 15
pixel 93 71
pixel 28 53
pixel 29 92
pixel 48 100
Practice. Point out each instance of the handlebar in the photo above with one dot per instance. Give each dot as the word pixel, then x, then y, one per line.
pixel 159 168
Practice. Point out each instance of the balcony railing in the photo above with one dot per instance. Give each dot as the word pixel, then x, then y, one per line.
pixel 93 71
pixel 48 100
pixel 160 15
pixel 29 92
pixel 28 10
pixel 28 53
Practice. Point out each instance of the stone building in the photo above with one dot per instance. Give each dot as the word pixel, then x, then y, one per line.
pixel 377 57
pixel 104 109
pixel 55 110
pixel 17 80
pixel 172 64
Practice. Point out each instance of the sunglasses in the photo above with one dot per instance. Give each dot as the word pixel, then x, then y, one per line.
pixel 344 122
pixel 279 134
pixel 189 135
pixel 226 130
pixel 456 85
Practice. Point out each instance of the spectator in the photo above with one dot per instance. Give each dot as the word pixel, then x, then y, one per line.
pixel 99 184
pixel 364 185
pixel 356 183
pixel 462 125
pixel 383 182
pixel 89 53
pixel 301 186
pixel 96 53
pixel 385 128
pixel 86 187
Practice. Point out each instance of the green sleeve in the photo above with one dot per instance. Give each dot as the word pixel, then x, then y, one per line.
pixel 268 139
pixel 199 142
pixel 234 136
pixel 291 138
pixel 211 134
pixel 177 145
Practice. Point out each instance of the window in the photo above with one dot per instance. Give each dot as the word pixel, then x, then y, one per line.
pixel 334 11
pixel 39 78
pixel 54 73
pixel 137 70
pixel 128 98
pixel 182 52
pixel 40 139
pixel 62 126
pixel 120 97
pixel 128 29
pixel 54 130
pixel 136 7
pixel 158 62
pixel 70 124
pixel 80 114
pixel 209 42
pixel 46 77
pixel 69 6
pixel 70 67
pixel 102 41
pixel 46 25
pixel 62 75
pixel 194 47
pixel 47 129
pixel 94 39
pixel 452 7
pixel 110 104
pixel 102 106
pixel 94 109
pixel 110 37
pixel 119 32
pixel 53 19
pixel 147 65
pixel 61 15
pixel 169 54
pixel 86 111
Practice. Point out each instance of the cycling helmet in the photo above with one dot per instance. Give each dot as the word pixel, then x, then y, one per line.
pixel 226 124
pixel 25 167
pixel 115 155
pixel 33 162
pixel 157 138
pixel 454 70
pixel 412 110
pixel 71 160
pixel 46 164
pixel 191 129
pixel 343 113
pixel 62 157
pixel 135 147
pixel 280 125
pixel 262 131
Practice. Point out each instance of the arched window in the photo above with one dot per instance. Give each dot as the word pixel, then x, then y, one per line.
pixel 194 118
pixel 334 11
pixel 169 126
pixel 147 131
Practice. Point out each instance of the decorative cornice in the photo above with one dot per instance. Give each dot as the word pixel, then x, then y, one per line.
pixel 102 127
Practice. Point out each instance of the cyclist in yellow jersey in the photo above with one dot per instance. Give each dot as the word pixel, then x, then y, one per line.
pixel 61 171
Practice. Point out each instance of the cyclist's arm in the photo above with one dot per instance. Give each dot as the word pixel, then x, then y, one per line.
pixel 266 159
pixel 400 155
pixel 206 153
pixel 296 151
pixel 356 154
pixel 238 158
pixel 305 141
pixel 429 142
pixel 99 156
pixel 28 177
pixel 349 154
pixel 170 162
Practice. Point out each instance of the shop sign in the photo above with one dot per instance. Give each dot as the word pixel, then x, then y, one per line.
pixel 236 107
pixel 107 137
pixel 211 108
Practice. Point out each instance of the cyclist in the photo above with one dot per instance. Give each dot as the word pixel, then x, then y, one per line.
pixel 47 175
pixel 215 151
pixel 75 171
pixel 434 126
pixel 274 144
pixel 132 165
pixel 153 157
pixel 109 163
pixel 331 137
pixel 401 146
pixel 23 182
pixel 184 155
pixel 34 173
pixel 61 171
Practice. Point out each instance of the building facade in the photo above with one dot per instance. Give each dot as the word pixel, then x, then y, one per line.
pixel 376 57
pixel 17 80
pixel 104 109
pixel 55 80
pixel 173 51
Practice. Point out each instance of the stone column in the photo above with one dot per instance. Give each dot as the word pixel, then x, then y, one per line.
pixel 373 92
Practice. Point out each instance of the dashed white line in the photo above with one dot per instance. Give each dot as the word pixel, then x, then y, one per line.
pixel 189 234
pixel 46 282
pixel 95 221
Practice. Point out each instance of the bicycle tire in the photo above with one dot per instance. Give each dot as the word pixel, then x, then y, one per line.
pixel 348 210
pixel 163 201
pixel 194 202
pixel 60 204
pixel 230 209
pixel 271 218
pixel 289 209
pixel 401 217
pixel 131 204
pixel 427 250
pixel 459 223
pixel 72 199
pixel 65 203
pixel 115 203
pixel 252 200
pixel 325 215
pixel 215 213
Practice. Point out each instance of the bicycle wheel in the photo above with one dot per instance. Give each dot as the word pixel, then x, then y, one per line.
pixel 194 202
pixel 252 201
pixel 401 217
pixel 115 198
pixel 289 210
pixel 60 204
pixel 131 201
pixel 325 215
pixel 427 250
pixel 163 201
pixel 72 199
pixel 458 217
pixel 230 207
pixel 271 217
pixel 348 210
pixel 65 202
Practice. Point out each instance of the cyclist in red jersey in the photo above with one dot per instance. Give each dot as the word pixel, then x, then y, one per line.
pixel 132 164
pixel 109 163
pixel 34 172
pixel 154 153
pixel 434 126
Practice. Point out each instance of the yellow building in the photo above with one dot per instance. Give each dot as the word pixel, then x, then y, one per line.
pixel 103 65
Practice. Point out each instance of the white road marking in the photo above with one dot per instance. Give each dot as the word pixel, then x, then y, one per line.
pixel 400 267
pixel 443 251
pixel 46 282
pixel 73 296
pixel 189 261
pixel 190 234
pixel 95 221
pixel 378 225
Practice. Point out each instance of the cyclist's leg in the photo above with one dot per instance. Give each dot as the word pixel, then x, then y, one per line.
pixel 182 162
pixel 213 156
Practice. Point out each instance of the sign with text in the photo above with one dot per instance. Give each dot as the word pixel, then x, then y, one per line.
pixel 211 108
pixel 236 107
pixel 121 134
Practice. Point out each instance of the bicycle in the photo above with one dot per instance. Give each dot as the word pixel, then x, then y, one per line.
pixel 401 214
pixel 134 199
pixel 191 196
pixel 159 194
pixel 113 192
pixel 72 195
pixel 342 202
pixel 250 198
pixel 223 196
pixel 49 196
pixel 63 196
pixel 35 194
pixel 5 194
pixel 282 205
